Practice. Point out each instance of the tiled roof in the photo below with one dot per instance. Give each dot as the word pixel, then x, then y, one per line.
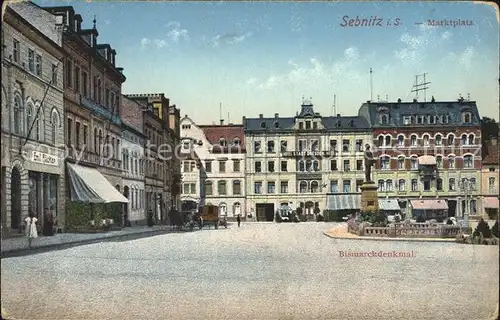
pixel 490 155
pixel 397 110
pixel 214 133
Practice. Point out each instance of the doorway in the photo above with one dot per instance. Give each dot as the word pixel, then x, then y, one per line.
pixel 15 189
pixel 265 212
pixel 452 208
pixel 126 194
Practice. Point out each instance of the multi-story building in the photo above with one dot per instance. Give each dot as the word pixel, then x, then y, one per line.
pixel 425 152
pixel 213 169
pixel 489 179
pixel 174 167
pixel 156 150
pixel 32 116
pixel 133 141
pixel 295 161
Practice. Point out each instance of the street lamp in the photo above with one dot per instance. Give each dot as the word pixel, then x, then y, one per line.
pixel 466 187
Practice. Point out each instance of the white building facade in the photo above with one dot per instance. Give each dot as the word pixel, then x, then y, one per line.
pixel 213 167
pixel 297 161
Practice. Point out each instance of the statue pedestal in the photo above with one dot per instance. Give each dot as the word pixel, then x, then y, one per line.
pixel 369 197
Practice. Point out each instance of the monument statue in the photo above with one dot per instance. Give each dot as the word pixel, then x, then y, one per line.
pixel 369 162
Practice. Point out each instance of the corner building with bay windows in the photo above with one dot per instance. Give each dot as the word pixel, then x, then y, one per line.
pixel 300 161
pixel 32 176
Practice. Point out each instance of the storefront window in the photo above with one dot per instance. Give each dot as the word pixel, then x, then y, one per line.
pixel 53 183
pixel 34 194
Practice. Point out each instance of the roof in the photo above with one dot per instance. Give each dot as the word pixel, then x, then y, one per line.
pixel 491 153
pixel 371 111
pixel 40 19
pixel 229 133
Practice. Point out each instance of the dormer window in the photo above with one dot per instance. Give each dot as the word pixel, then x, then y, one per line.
pixel 466 117
pixel 339 124
pixel 420 120
pixel 308 125
pixel 315 125
pixel 276 124
pixel 222 142
pixel 263 125
pixel 406 120
pixel 301 125
pixel 384 119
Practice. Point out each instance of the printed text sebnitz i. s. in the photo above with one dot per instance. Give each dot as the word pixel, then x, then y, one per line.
pixel 373 21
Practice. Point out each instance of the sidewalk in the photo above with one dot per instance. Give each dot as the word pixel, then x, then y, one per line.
pixel 19 245
pixel 340 232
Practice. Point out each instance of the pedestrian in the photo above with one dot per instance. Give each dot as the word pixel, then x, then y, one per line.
pixel 31 231
pixel 48 223
pixel 150 218
pixel 238 219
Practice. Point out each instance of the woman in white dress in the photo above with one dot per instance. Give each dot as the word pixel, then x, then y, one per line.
pixel 31 231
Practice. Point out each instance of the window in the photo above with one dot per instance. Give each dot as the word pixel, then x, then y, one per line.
pixel 385 163
pixel 491 184
pixel 388 185
pixel 69 73
pixel 420 120
pixel 309 166
pixel 359 183
pixel 84 84
pixel 31 60
pixel 18 115
pixel 270 146
pixel 237 187
pixel 284 186
pixel 388 141
pixel 55 123
pixel 208 166
pixel 359 145
pixel 258 166
pixel 303 187
pixel 333 165
pixel 439 184
pixel 451 139
pixel 16 51
pixel 414 185
pixel 38 65
pixel 466 117
pixel 345 145
pixel 308 125
pixel 302 145
pixel 209 188
pixel 284 146
pixel 401 185
pixel 468 161
pixel 406 120
pixel 315 125
pixel 77 79
pixel 473 183
pixel 54 74
pixel 438 140
pixel 427 185
pixel 346 186
pixel 69 139
pixel 359 165
pixel 258 187
pixel 222 142
pixel 222 166
pixel 380 141
pixel 426 140
pixel 413 140
pixel 432 119
pixel 314 145
pixel 271 187
pixel 270 166
pixel 107 97
pixel 451 162
pixel 471 139
pixel 347 165
pixel 401 140
pixel 385 119
pixel 96 143
pixel 334 186
pixel 463 139
pixel 314 187
pixel 414 162
pixel 302 165
pixel 401 163
pixel 99 90
pixel 221 187
pixel 439 161
pixel 381 185
pixel 301 125
pixel 236 166
pixel 333 145
pixel 284 166
pixel 451 184
pixel 77 134
pixel 257 147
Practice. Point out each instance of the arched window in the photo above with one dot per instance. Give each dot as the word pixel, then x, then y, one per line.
pixel 29 118
pixel 18 115
pixel 468 161
pixel 236 142
pixel 385 162
pixel 451 139
pixel 401 162
pixel 381 185
pixel 426 139
pixel 315 165
pixel 466 117
pixel 438 140
pixel 37 125
pixel 96 141
pixel 387 141
pixel 54 120
pixel 463 141
pixel 302 166
pixel 413 139
pixel 401 185
pixel 388 185
pixel 471 139
pixel 414 162
pixel 380 141
pixel 451 162
pixel 439 161
pixel 222 142
pixel 303 187
pixel 99 151
pixel 401 140
pixel 309 165
pixel 314 186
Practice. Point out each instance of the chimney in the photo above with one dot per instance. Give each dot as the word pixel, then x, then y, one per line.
pixel 261 115
pixel 415 100
pixel 276 115
pixel 399 100
pixel 221 122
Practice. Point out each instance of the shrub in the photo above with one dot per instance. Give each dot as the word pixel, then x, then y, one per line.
pixel 494 230
pixel 333 215
pixel 484 228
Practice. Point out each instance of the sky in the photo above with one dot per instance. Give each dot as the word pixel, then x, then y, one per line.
pixel 251 58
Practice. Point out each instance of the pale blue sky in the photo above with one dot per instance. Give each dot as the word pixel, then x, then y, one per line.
pixel 257 57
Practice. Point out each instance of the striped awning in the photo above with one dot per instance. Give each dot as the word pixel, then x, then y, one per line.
pixel 491 202
pixel 429 204
pixel 389 204
pixel 343 201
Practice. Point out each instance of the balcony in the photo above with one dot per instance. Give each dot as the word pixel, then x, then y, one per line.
pixel 304 153
pixel 100 111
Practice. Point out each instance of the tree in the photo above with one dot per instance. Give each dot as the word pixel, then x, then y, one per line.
pixel 489 128
pixel 484 228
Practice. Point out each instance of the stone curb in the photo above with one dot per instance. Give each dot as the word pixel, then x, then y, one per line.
pixel 67 245
pixel 393 239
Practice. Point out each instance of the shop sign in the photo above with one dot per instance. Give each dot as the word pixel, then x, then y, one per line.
pixel 44 158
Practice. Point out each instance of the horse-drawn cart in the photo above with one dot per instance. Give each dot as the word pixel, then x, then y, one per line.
pixel 209 215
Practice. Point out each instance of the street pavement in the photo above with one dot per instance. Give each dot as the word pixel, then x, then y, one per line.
pixel 258 271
